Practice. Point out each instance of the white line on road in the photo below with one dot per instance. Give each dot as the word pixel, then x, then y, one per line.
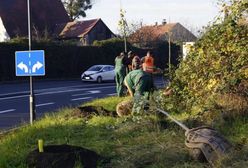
pixel 55 88
pixel 56 92
pixel 82 98
pixel 82 94
pixel 95 91
pixel 44 104
pixel 11 93
pixel 73 90
pixel 74 86
pixel 13 97
pixel 112 94
pixel 90 92
pixel 7 111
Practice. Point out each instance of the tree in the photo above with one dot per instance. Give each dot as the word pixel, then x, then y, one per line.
pixel 213 80
pixel 123 27
pixel 77 8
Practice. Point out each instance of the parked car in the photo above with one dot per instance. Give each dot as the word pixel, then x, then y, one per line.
pixel 99 73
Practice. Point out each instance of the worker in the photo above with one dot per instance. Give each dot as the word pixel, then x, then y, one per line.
pixel 129 60
pixel 120 73
pixel 138 82
pixel 140 85
pixel 148 63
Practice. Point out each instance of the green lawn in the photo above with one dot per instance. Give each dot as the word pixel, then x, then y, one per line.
pixel 128 143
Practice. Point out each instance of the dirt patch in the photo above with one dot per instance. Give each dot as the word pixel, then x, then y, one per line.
pixel 89 111
pixel 66 156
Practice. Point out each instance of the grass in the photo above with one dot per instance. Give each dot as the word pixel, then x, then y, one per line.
pixel 127 143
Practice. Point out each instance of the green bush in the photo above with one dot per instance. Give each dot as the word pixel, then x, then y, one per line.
pixel 215 72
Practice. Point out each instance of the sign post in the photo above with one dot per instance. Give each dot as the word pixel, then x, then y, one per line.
pixel 30 63
pixel 31 97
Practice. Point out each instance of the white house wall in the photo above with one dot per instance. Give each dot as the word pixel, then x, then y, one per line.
pixel 3 33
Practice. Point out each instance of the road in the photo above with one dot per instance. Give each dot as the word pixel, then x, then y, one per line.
pixel 49 97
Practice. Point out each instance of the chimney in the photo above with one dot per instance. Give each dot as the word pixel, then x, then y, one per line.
pixel 164 22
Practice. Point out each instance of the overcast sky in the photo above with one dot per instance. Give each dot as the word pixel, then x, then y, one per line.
pixel 190 13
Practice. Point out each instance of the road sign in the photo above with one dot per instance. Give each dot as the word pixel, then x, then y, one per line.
pixel 30 63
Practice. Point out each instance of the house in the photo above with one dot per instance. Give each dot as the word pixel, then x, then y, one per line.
pixel 148 36
pixel 45 14
pixel 48 17
pixel 85 32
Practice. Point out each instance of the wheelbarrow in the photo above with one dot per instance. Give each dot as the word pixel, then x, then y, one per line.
pixel 205 143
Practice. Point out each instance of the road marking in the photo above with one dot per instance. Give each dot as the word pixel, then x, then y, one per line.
pixel 56 92
pixel 61 91
pixel 112 94
pixel 91 92
pixel 54 88
pixel 13 97
pixel 73 90
pixel 72 86
pixel 7 111
pixel 14 93
pixel 95 91
pixel 82 98
pixel 44 104
pixel 81 94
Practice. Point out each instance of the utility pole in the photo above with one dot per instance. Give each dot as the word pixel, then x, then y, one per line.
pixel 31 97
pixel 125 37
pixel 169 42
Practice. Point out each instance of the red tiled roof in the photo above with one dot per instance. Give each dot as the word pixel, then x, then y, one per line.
pixel 44 13
pixel 159 30
pixel 76 28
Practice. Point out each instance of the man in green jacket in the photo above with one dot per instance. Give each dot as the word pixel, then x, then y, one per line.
pixel 140 85
pixel 138 81
pixel 120 73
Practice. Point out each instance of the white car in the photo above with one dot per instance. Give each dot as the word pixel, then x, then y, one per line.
pixel 99 73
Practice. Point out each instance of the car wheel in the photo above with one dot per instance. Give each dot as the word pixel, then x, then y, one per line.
pixel 99 79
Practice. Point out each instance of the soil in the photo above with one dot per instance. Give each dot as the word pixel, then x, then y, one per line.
pixel 66 156
pixel 89 111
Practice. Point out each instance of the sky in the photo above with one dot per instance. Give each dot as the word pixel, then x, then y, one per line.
pixel 193 14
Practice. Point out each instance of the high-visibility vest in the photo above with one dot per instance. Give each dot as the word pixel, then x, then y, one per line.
pixel 148 65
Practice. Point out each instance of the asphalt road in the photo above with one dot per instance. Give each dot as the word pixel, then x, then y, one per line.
pixel 49 97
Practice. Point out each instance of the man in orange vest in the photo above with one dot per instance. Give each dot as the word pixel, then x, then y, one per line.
pixel 148 63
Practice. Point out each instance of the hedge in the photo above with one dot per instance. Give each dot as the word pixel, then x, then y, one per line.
pixel 68 61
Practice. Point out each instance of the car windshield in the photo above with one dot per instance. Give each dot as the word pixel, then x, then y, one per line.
pixel 95 68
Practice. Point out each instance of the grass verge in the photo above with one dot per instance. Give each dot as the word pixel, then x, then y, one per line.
pixel 128 144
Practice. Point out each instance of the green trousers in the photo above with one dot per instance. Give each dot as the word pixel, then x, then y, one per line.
pixel 119 78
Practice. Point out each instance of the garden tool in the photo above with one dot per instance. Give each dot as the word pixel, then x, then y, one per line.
pixel 204 142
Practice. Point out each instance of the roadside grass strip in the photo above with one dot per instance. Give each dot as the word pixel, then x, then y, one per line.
pixel 127 143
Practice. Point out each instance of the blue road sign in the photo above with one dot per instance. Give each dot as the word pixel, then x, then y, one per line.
pixel 30 63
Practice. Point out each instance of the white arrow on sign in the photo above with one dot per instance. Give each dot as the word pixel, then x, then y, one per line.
pixel 36 66
pixel 23 66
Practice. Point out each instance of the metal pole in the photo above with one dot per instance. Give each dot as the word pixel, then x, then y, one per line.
pixel 169 55
pixel 31 97
pixel 173 119
pixel 125 38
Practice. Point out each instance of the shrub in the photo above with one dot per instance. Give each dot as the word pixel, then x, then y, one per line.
pixel 216 69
